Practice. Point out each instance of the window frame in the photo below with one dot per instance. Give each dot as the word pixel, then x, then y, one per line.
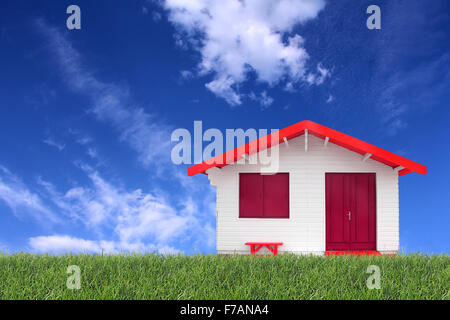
pixel 263 214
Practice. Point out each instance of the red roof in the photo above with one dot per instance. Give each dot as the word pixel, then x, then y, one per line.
pixel 341 139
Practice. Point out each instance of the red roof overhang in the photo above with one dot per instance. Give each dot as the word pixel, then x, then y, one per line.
pixel 341 139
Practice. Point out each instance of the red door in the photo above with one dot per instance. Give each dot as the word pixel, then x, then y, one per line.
pixel 350 211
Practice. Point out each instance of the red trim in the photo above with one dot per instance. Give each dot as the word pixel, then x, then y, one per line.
pixel 320 131
pixel 353 253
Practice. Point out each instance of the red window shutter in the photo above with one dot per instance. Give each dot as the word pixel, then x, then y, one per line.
pixel 250 195
pixel 276 195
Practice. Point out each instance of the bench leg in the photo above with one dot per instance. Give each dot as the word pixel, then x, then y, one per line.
pixel 274 250
pixel 270 248
pixel 255 248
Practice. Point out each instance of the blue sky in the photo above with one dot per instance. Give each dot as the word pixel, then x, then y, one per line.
pixel 86 115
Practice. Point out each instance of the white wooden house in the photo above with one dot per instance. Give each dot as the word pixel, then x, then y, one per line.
pixel 331 192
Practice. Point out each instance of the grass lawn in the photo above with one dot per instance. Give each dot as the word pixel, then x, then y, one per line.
pixel 150 276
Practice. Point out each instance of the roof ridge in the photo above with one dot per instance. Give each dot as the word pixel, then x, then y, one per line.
pixel 297 129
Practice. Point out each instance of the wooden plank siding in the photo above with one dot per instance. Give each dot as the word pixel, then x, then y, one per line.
pixel 304 231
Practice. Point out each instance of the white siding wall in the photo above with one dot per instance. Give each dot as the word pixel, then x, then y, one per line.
pixel 304 231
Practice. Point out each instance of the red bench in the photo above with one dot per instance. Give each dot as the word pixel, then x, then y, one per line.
pixel 255 246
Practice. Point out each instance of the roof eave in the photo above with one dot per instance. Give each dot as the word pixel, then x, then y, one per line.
pixel 297 129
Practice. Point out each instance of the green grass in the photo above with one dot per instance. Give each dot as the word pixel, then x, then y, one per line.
pixel 26 276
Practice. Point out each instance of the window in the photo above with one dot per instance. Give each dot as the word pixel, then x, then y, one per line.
pixel 263 196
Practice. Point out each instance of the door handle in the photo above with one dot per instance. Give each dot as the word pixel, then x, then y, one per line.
pixel 349 214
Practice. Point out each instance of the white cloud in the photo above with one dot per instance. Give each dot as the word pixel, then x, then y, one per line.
pixel 222 87
pixel 238 37
pixel 80 138
pixel 92 152
pixel 264 99
pixel 145 215
pixel 156 16
pixel 402 92
pixel 186 74
pixel 289 87
pixel 63 244
pixel 53 143
pixel 408 78
pixel 320 77
pixel 111 103
pixel 131 216
pixel 330 98
pixel 59 244
pixel 20 199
